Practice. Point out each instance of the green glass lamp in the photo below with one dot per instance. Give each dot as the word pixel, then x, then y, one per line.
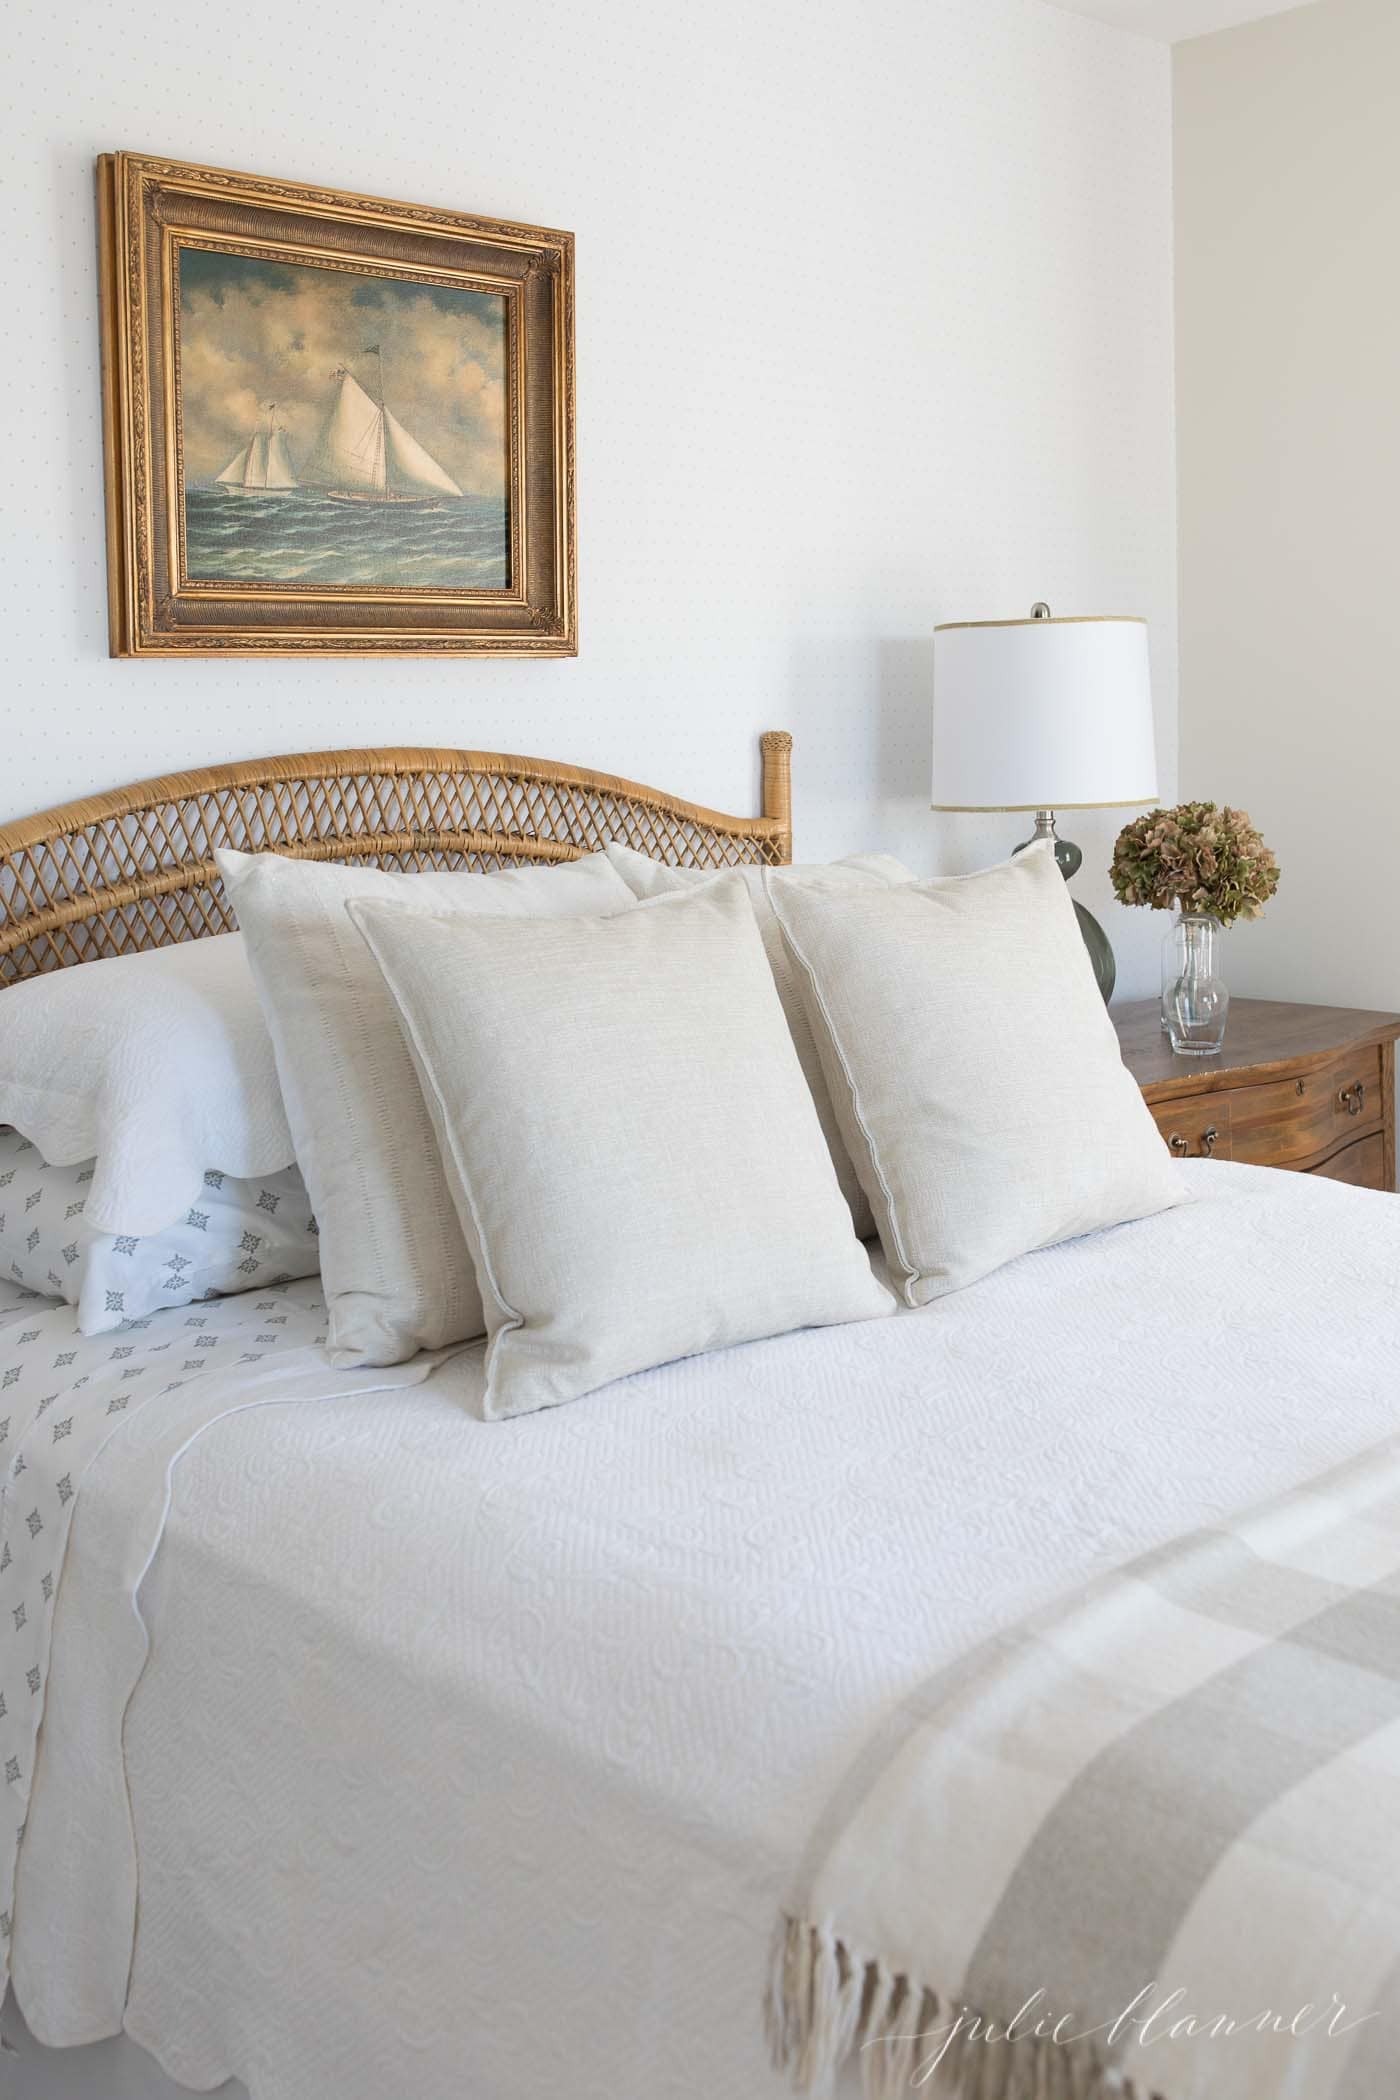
pixel 1045 714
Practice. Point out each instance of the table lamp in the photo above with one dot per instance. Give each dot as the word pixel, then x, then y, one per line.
pixel 1044 714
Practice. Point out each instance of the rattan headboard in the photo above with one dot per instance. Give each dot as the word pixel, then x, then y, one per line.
pixel 134 869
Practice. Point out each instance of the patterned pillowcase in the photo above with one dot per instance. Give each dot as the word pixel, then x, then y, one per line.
pixel 237 1236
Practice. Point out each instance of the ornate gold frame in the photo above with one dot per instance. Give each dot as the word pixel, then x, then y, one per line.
pixel 151 209
pixel 120 873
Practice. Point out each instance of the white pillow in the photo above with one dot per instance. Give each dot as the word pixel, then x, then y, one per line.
pixel 397 1273
pixel 974 1068
pixel 652 878
pixel 235 1236
pixel 156 1066
pixel 632 1148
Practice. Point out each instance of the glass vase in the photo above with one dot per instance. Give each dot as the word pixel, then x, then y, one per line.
pixel 1195 1001
pixel 1170 972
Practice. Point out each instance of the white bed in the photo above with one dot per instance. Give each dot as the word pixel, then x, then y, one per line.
pixel 390 1752
pixel 476 1757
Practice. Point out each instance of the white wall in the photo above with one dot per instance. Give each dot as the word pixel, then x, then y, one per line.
pixel 1288 230
pixel 874 326
pixel 1174 20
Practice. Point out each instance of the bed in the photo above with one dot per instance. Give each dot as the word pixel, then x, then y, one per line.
pixel 388 1751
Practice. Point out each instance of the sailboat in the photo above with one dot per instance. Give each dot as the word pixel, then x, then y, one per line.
pixel 364 454
pixel 262 467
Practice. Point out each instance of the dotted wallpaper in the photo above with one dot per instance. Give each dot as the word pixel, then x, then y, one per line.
pixel 874 329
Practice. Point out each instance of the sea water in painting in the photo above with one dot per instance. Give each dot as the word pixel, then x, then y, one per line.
pixel 341 428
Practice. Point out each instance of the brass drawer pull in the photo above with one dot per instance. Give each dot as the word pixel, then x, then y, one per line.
pixel 1182 1146
pixel 1353 1098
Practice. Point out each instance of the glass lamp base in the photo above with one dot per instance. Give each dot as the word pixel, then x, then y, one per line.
pixel 1068 859
pixel 1100 951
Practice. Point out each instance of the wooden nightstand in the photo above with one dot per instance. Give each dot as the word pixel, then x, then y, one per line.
pixel 1307 1087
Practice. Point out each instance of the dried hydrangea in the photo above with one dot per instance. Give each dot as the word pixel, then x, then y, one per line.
pixel 1206 859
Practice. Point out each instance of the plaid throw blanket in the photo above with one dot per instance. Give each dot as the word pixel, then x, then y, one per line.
pixel 1146 1844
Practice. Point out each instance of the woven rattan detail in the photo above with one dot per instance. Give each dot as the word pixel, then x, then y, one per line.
pixel 134 870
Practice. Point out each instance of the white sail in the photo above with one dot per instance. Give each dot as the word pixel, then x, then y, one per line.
pixel 410 467
pixel 262 465
pixel 349 453
pixel 279 474
pixel 237 468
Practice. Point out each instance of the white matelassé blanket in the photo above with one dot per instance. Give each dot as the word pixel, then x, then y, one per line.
pixel 184 1369
pixel 476 1758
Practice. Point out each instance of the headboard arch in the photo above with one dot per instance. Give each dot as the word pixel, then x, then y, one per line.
pixel 117 873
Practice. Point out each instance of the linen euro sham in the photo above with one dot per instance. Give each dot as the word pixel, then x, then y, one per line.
pixel 973 1067
pixel 631 1146
pixel 396 1269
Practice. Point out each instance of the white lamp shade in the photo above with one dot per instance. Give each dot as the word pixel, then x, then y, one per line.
pixel 1042 714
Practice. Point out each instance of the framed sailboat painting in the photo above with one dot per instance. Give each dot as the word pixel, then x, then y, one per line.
pixel 333 423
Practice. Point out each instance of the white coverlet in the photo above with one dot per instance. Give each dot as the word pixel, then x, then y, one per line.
pixel 180 1370
pixel 473 1759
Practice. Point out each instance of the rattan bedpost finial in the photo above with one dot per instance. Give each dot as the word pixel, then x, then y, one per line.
pixel 777 783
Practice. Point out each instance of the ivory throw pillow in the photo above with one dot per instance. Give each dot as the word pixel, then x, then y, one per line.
pixel 632 1148
pixel 150 1067
pixel 396 1270
pixel 652 878
pixel 975 1072
pixel 235 1235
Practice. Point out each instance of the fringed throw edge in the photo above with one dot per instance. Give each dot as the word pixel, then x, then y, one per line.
pixel 827 2004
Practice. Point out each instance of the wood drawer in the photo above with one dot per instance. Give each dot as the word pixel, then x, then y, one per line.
pixel 1188 1121
pixel 1307 1088
pixel 1362 1164
pixel 1292 1120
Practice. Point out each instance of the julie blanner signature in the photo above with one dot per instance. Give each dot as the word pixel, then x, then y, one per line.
pixel 1152 2017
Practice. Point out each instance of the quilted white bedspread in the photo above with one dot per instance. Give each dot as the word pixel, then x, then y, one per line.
pixel 472 1761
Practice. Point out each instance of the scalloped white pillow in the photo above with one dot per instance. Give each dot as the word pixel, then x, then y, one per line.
pixel 654 878
pixel 155 1066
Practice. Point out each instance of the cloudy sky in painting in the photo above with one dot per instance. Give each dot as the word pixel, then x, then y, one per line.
pixel 253 332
